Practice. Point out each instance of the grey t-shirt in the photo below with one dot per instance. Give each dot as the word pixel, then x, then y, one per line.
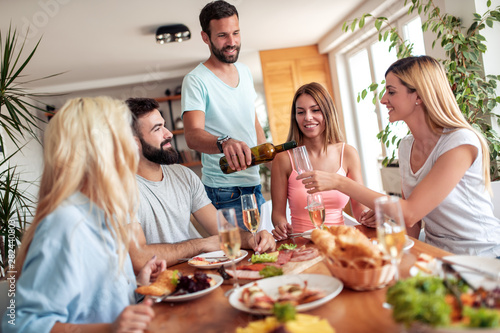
pixel 166 206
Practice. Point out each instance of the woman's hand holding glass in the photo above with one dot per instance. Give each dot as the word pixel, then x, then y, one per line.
pixel 391 229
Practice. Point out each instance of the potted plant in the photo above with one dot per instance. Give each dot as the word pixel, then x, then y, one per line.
pixel 463 46
pixel 18 121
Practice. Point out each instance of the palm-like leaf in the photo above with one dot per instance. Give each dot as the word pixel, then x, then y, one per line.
pixel 18 101
pixel 16 207
pixel 18 118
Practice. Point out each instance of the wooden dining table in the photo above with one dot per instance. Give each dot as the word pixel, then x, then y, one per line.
pixel 350 311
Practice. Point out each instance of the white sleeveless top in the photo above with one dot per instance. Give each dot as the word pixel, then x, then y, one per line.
pixel 463 223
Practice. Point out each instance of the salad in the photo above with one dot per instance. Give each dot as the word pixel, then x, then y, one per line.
pixel 440 302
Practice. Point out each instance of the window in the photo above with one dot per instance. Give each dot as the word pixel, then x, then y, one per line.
pixel 365 64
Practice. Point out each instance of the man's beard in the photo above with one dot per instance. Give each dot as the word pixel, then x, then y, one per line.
pixel 219 53
pixel 159 155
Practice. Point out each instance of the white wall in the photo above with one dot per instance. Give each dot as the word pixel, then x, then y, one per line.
pixel 30 161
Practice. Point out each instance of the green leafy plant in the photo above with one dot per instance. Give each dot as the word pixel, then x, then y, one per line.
pixel 463 46
pixel 15 210
pixel 19 120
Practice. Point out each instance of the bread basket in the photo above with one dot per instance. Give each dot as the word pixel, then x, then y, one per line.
pixel 361 279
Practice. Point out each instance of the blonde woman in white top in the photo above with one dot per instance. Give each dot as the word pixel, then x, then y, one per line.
pixel 444 163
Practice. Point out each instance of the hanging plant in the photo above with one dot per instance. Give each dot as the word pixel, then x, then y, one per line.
pixel 475 93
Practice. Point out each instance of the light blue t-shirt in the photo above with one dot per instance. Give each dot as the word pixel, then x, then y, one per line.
pixel 71 272
pixel 228 111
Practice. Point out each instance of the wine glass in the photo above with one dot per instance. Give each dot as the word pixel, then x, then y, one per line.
pixel 230 240
pixel 391 229
pixel 251 216
pixel 316 209
pixel 301 160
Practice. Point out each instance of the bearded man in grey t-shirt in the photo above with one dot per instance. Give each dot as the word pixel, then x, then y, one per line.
pixel 169 194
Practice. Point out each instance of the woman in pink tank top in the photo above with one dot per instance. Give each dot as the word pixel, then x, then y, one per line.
pixel 314 124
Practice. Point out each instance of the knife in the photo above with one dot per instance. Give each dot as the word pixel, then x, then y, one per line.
pixel 301 234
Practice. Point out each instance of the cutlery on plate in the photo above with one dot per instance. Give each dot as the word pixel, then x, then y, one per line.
pixel 482 272
pixel 301 234
pixel 209 258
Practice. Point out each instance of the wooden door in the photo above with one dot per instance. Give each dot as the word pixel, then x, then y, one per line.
pixel 284 71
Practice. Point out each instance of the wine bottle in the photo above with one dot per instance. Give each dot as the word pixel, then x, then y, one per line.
pixel 260 154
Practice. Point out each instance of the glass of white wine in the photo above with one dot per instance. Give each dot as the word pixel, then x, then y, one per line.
pixel 251 216
pixel 230 240
pixel 391 229
pixel 301 160
pixel 316 209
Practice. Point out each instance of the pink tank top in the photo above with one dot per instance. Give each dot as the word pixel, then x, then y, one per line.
pixel 334 201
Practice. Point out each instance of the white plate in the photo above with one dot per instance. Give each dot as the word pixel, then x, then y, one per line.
pixel 187 297
pixel 243 254
pixel 491 265
pixel 409 243
pixel 329 285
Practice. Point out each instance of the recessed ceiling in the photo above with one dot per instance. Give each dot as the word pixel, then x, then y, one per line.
pixel 113 41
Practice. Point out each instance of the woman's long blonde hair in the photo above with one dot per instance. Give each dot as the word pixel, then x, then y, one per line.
pixel 89 147
pixel 426 76
pixel 325 103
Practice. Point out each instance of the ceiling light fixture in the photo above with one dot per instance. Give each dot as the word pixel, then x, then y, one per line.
pixel 172 33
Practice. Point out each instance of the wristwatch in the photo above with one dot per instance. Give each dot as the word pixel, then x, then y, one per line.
pixel 221 140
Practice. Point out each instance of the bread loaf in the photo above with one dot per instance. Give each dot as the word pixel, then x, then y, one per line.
pixel 347 247
pixel 163 286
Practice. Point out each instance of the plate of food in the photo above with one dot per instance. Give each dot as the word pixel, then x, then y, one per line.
pixel 215 259
pixel 288 259
pixel 215 281
pixel 173 286
pixel 473 275
pixel 455 306
pixel 425 265
pixel 306 291
pixel 409 243
pixel 286 319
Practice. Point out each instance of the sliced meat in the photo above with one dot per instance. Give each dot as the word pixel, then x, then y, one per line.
pixel 284 257
pixel 304 254
pixel 253 267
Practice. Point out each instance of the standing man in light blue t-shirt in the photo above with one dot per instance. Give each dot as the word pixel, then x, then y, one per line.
pixel 218 111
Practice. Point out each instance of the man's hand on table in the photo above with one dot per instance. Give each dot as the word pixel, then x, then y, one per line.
pixel 210 243
pixel 265 242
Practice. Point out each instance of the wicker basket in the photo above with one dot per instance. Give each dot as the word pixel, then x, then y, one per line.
pixel 361 279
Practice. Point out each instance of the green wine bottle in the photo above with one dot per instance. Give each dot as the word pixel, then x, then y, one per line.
pixel 263 153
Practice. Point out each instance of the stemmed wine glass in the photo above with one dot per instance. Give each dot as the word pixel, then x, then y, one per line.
pixel 391 229
pixel 230 240
pixel 316 209
pixel 301 160
pixel 251 216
